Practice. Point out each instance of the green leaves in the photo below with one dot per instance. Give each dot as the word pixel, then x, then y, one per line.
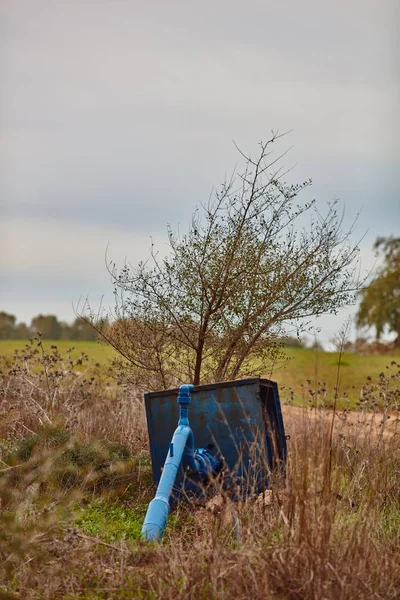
pixel 380 304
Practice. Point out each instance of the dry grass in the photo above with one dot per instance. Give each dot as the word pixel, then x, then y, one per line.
pixel 330 530
pixel 44 387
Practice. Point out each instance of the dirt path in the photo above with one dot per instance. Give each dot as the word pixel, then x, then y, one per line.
pixel 346 422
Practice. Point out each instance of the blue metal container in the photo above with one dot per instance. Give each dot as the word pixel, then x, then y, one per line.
pixel 239 422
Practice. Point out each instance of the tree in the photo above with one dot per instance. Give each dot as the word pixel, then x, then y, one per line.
pixel 7 325
pixel 21 332
pixel 292 342
pixel 215 307
pixel 380 300
pixel 81 330
pixel 48 326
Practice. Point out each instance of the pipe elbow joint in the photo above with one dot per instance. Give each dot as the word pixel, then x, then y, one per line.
pixel 184 394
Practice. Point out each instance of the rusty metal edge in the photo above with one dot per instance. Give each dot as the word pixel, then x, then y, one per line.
pixel 212 386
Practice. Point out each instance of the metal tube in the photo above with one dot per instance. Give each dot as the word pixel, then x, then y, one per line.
pixel 158 510
pixel 182 444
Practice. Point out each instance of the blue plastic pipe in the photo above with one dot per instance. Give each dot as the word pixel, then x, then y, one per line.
pixel 181 446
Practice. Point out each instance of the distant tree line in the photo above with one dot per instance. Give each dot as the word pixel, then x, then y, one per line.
pixel 48 326
pixel 53 329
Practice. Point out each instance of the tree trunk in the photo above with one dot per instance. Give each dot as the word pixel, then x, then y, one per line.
pixel 199 360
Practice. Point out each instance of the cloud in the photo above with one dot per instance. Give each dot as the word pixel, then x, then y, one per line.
pixel 117 117
pixel 51 248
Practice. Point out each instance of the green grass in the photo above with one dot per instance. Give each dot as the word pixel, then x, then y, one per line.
pixel 97 352
pixel 301 366
pixel 111 521
pixel 319 368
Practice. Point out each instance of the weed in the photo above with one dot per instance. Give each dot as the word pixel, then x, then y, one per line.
pixel 111 521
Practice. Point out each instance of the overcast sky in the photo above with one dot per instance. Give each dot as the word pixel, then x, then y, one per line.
pixel 118 117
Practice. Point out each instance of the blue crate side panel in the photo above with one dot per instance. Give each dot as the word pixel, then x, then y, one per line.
pixel 281 428
pixel 275 431
pixel 227 417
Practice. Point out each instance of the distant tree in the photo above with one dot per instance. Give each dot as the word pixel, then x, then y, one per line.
pixel 316 345
pixel 66 332
pixel 82 330
pixel 7 326
pixel 380 300
pixel 21 332
pixel 292 342
pixel 48 326
pixel 215 308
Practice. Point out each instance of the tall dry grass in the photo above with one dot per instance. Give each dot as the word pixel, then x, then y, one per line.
pixel 39 388
pixel 330 529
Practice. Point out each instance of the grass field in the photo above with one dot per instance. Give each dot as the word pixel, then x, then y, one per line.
pixel 97 353
pixel 303 370
pixel 76 480
pixel 307 369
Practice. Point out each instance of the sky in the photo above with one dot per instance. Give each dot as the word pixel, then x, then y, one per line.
pixel 118 117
